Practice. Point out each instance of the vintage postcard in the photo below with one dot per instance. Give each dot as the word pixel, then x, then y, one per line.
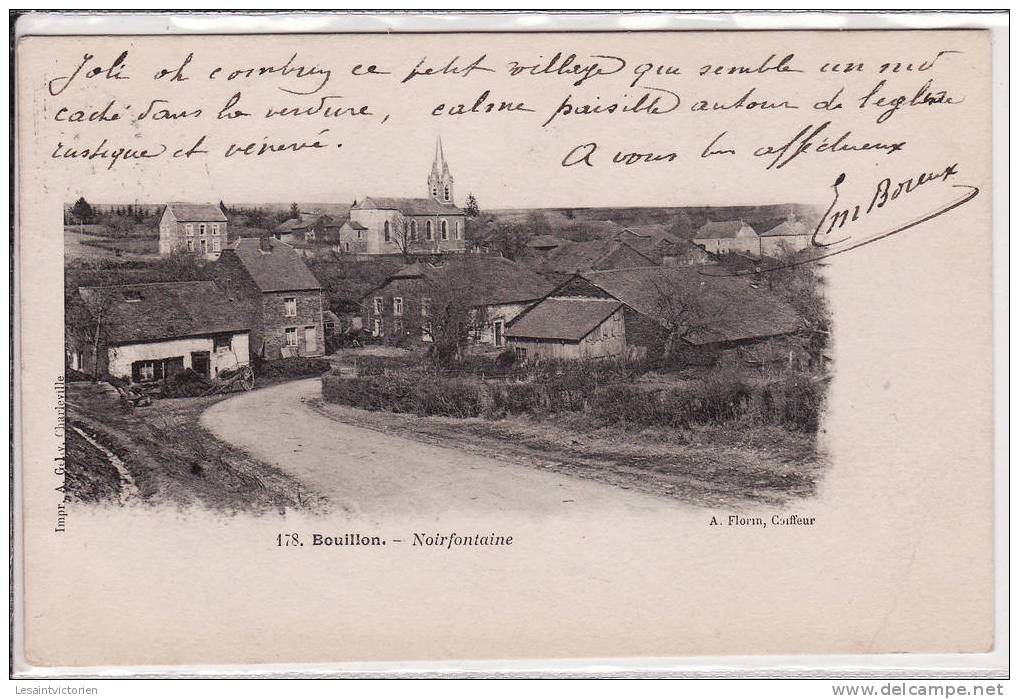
pixel 501 346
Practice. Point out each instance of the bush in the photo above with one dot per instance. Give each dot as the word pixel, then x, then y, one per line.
pixel 290 368
pixel 449 397
pixel 518 399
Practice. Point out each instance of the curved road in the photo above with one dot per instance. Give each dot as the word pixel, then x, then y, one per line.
pixel 374 473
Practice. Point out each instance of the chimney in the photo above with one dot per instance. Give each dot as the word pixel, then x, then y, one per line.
pixel 263 243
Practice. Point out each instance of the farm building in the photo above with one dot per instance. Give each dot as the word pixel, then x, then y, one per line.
pixel 145 332
pixel 725 237
pixel 649 310
pixel 789 236
pixel 306 228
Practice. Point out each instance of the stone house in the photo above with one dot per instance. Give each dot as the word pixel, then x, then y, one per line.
pixel 497 290
pixel 789 236
pixel 195 228
pixel 285 297
pixel 728 237
pixel 306 228
pixel 147 332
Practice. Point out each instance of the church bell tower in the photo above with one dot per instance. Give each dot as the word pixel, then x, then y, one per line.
pixel 440 181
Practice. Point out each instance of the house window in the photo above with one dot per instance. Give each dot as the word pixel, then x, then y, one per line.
pixel 444 230
pixel 376 327
pixel 205 245
pixel 201 229
pixel 146 371
pixel 290 306
pixel 385 231
pixel 397 306
pixel 498 329
pixel 359 235
pixel 191 244
pixel 398 326
pixel 291 334
pixel 189 228
pixel 428 230
pixel 378 305
pixel 221 343
pixel 521 353
pixel 346 247
pixel 215 244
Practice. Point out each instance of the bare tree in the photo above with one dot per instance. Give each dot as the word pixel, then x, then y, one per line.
pixel 405 235
pixel 452 317
pixel 686 311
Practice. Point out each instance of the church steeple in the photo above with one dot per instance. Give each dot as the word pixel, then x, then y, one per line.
pixel 440 181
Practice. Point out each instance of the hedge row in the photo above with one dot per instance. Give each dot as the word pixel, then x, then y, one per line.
pixel 796 402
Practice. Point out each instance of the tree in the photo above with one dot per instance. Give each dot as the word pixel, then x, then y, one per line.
pixel 471 209
pixel 82 211
pixel 682 226
pixel 295 210
pixel 507 238
pixel 403 234
pixel 685 310
pixel 537 224
pixel 222 207
pixel 451 317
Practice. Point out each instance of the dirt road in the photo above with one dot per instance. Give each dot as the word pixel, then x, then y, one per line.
pixel 367 472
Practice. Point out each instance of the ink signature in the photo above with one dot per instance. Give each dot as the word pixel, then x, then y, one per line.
pixel 838 220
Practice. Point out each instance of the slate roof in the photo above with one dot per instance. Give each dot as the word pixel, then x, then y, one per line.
pixel 182 211
pixel 409 206
pixel 570 319
pixel 589 254
pixel 498 280
pixel 281 269
pixel 135 313
pixel 720 229
pixel 745 312
pixel 357 226
pixel 787 228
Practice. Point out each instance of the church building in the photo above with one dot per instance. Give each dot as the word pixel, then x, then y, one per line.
pixel 403 225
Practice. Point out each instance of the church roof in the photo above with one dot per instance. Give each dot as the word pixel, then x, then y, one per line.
pixel 409 206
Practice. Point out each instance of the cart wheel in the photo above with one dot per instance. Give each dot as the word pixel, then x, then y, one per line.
pixel 247 379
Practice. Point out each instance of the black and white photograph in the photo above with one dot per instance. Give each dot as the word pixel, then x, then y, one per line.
pixel 477 344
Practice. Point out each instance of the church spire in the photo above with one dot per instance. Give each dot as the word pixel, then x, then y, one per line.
pixel 440 181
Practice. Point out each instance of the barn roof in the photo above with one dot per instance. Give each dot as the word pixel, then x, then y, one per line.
pixel 133 313
pixel 720 229
pixel 589 254
pixel 183 211
pixel 570 319
pixel 408 206
pixel 279 269
pixel 744 312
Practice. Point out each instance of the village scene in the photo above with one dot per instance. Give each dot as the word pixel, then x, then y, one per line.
pixel 270 357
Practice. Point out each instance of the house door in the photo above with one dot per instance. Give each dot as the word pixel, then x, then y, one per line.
pixel 200 363
pixel 310 340
pixel 499 337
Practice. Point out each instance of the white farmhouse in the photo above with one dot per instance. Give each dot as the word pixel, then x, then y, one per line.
pixel 147 332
